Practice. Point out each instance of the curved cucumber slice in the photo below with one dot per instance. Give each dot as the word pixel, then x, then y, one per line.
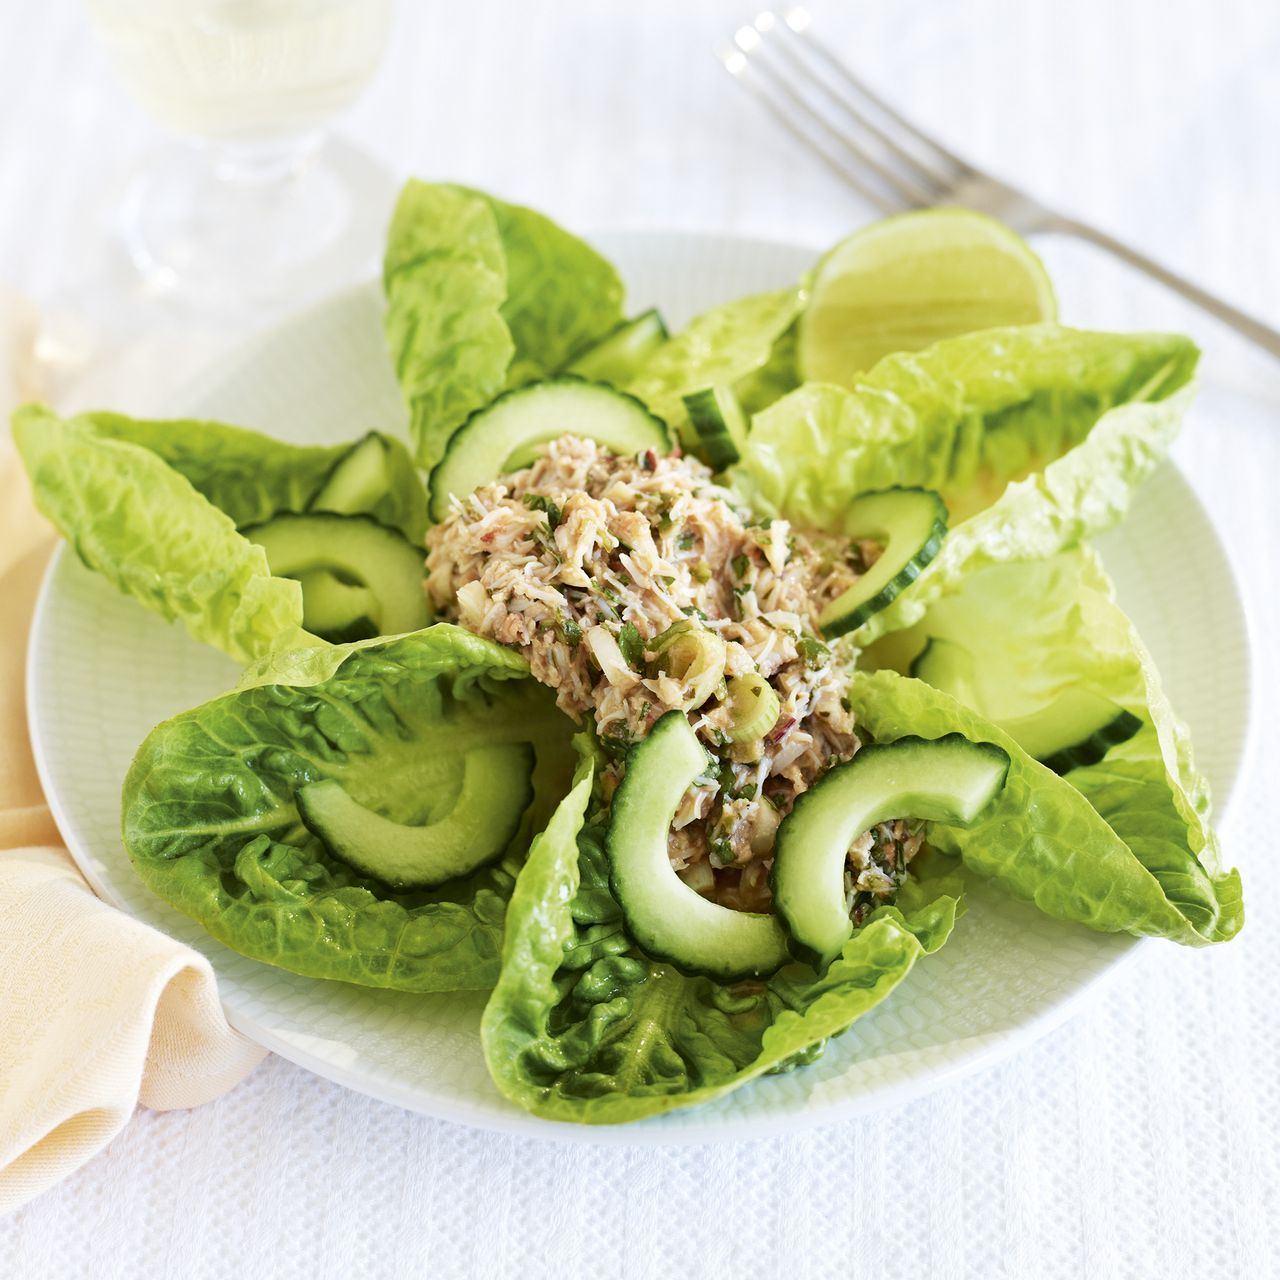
pixel 947 666
pixel 504 436
pixel 910 524
pixel 358 479
pixel 946 779
pixel 617 356
pixel 667 918
pixel 720 424
pixel 356 550
pixel 337 610
pixel 1076 729
pixel 497 787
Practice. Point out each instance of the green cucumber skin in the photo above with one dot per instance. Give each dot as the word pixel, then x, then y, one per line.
pixel 909 572
pixel 614 837
pixel 1095 747
pixel 794 822
pixel 617 356
pixel 720 451
pixel 437 490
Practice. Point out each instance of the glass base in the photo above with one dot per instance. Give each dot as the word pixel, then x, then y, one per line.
pixel 249 229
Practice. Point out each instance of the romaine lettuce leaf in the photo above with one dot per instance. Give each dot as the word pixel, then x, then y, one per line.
pixel 211 824
pixel 562 296
pixel 1128 851
pixel 445 278
pixel 138 522
pixel 482 295
pixel 583 1026
pixel 721 347
pixel 1084 417
pixel 1040 627
pixel 253 477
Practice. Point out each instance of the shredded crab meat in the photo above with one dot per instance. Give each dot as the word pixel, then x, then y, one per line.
pixel 583 560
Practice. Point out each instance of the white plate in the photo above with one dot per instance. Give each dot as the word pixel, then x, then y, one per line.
pixel 103 672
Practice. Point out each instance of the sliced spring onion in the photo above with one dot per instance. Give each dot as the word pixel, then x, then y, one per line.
pixel 753 707
pixel 692 656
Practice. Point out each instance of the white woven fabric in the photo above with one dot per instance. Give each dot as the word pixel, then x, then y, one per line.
pixel 1142 1139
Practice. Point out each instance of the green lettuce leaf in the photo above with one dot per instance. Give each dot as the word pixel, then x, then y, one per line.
pixel 253 477
pixel 582 1026
pixel 1128 851
pixel 211 824
pixel 445 278
pixel 138 522
pixel 562 296
pixel 482 295
pixel 1038 628
pixel 1035 436
pixel 721 347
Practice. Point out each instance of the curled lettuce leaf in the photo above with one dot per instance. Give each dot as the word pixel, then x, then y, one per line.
pixel 483 295
pixel 583 1026
pixel 562 296
pixel 1035 436
pixel 211 824
pixel 723 347
pixel 1125 849
pixel 253 477
pixel 143 526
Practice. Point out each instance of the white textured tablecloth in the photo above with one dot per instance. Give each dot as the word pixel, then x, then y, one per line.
pixel 1141 1139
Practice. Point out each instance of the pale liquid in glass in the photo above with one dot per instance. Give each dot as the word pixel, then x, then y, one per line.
pixel 243 70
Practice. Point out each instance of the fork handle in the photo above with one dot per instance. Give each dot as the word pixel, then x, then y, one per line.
pixel 1261 334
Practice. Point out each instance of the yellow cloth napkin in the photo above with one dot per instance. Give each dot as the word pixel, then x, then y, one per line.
pixel 98 1012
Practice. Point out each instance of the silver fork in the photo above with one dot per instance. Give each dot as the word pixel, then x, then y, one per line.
pixel 880 153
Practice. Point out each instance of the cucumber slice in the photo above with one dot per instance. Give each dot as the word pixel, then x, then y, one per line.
pixel 720 424
pixel 497 787
pixel 947 779
pixel 910 524
pixel 947 666
pixel 358 479
pixel 617 356
pixel 504 435
pixel 339 611
pixel 667 918
pixel 1074 730
pixel 356 550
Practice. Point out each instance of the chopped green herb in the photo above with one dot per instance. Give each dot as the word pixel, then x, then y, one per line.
pixel 615 742
pixel 570 630
pixel 632 645
pixel 721 852
pixel 540 502
pixel 740 564
pixel 702 571
pixel 813 651
pixel 685 541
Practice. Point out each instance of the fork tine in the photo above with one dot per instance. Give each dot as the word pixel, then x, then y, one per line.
pixel 735 62
pixel 904 189
pixel 796 19
pixel 938 179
